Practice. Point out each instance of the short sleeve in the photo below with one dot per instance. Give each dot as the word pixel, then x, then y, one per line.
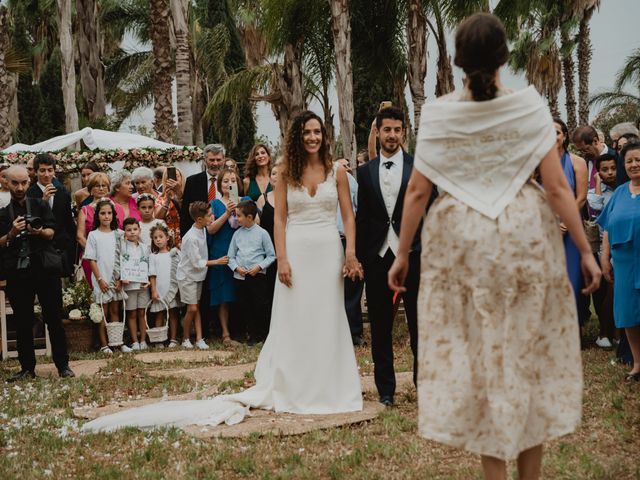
pixel 91 250
pixel 153 269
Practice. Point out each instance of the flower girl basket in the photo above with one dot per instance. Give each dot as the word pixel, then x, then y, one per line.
pixel 157 334
pixel 115 330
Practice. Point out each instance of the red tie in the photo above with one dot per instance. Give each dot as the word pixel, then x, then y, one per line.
pixel 212 190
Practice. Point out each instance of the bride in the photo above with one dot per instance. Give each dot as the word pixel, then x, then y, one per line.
pixel 307 364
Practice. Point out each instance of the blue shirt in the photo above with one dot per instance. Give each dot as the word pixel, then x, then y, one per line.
pixel 250 247
pixel 598 202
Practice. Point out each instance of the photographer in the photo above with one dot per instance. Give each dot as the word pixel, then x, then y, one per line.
pixel 26 235
pixel 59 200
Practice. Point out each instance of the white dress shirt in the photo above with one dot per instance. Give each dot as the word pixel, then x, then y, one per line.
pixel 193 261
pixel 42 187
pixel 390 182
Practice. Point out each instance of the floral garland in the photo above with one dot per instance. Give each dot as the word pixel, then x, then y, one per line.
pixel 71 162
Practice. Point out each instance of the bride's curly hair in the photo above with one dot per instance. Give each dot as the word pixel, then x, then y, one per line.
pixel 295 155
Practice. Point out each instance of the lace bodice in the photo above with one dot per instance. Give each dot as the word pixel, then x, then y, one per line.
pixel 320 210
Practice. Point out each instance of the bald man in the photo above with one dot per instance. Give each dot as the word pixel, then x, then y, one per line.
pixel 22 241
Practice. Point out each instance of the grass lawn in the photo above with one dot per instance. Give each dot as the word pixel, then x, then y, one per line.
pixel 39 435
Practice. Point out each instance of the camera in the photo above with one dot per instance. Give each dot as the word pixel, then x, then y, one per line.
pixel 34 222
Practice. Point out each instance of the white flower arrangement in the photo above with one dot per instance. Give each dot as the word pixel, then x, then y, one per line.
pixel 67 299
pixel 95 313
pixel 75 314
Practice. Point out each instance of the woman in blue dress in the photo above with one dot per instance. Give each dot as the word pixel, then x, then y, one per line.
pixel 221 287
pixel 575 170
pixel 620 221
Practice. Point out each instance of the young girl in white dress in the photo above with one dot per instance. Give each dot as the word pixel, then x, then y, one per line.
pixel 146 206
pixel 163 263
pixel 101 253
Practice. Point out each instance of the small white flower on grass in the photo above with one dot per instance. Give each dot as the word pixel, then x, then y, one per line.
pixel 176 445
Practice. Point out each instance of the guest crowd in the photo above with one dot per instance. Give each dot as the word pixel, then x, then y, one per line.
pixel 200 249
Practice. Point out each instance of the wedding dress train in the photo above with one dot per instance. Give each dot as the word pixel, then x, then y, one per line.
pixel 307 364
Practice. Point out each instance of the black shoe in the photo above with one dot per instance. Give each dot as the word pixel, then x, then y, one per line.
pixel 632 377
pixel 386 400
pixel 22 375
pixel 66 372
pixel 358 341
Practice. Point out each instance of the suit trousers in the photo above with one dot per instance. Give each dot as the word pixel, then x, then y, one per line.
pixel 352 302
pixel 21 293
pixel 380 310
pixel 253 305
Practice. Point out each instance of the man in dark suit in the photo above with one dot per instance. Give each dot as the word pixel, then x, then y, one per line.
pixel 382 184
pixel 49 189
pixel 202 186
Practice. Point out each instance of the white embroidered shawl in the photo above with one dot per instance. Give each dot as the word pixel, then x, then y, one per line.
pixel 482 153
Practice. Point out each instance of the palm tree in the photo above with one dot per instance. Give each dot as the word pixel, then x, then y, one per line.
pixel 620 99
pixel 180 9
pixel 5 95
pixel 534 27
pixel 68 66
pixel 89 42
pixel 584 58
pixel 417 55
pixel 160 16
pixel 341 30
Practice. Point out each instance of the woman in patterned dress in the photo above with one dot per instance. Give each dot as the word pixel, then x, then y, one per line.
pixel 499 369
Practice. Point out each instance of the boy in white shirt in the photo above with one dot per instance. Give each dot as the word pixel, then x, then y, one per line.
pixel 192 270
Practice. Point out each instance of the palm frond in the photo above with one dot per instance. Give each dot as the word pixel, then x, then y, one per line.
pixel 630 72
pixel 242 86
pixel 613 97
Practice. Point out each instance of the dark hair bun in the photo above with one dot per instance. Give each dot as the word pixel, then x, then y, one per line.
pixel 481 48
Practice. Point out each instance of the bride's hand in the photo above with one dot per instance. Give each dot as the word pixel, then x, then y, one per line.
pixel 352 268
pixel 398 273
pixel 284 272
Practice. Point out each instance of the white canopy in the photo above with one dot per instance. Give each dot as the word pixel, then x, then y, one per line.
pixel 94 139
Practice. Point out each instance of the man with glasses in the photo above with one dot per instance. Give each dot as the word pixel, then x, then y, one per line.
pixel 586 140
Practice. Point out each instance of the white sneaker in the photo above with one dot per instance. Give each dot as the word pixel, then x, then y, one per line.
pixel 202 345
pixel 135 346
pixel 187 344
pixel 603 342
pixel 173 344
pixel 125 349
pixel 143 346
pixel 106 351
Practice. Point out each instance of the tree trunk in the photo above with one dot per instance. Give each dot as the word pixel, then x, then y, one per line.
pixel 417 71
pixel 197 107
pixel 6 96
pixel 341 29
pixel 68 67
pixel 179 10
pixel 289 79
pixel 569 72
pixel 160 40
pixel 444 76
pixel 89 43
pixel 584 65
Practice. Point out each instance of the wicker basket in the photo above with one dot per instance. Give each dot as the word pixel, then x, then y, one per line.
pixel 79 335
pixel 115 330
pixel 157 334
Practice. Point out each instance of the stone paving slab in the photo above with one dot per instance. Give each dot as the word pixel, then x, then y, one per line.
pixel 195 356
pixel 210 374
pixel 283 424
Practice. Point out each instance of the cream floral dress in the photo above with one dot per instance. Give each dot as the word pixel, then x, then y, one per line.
pixel 499 350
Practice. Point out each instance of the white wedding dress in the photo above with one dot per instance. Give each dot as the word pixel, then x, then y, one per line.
pixel 307 364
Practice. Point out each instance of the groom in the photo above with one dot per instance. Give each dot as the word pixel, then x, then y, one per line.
pixel 382 183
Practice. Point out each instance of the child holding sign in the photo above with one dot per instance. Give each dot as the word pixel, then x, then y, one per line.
pixel 132 266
